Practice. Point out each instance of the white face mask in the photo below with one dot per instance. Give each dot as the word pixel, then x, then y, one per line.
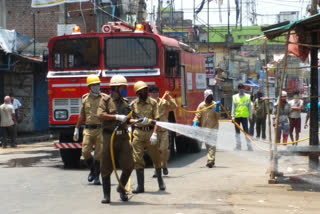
pixel 95 90
pixel 154 95
pixel 295 97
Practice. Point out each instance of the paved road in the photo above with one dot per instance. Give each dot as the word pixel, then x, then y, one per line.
pixel 33 180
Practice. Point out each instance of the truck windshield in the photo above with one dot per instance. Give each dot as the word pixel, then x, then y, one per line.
pixel 130 52
pixel 78 53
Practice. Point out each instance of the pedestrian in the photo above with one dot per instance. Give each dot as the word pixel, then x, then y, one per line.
pixel 145 135
pixel 283 124
pixel 92 132
pixel 8 122
pixel 308 115
pixel 241 112
pixel 164 106
pixel 260 106
pixel 253 121
pixel 16 106
pixel 113 111
pixel 296 105
pixel 209 119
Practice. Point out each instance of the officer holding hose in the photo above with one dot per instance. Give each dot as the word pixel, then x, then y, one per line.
pixel 208 119
pixel 113 112
pixel 145 135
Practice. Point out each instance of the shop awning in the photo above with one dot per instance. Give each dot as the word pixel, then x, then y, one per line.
pixel 307 24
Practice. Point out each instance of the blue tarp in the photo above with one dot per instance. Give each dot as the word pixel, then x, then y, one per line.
pixel 251 83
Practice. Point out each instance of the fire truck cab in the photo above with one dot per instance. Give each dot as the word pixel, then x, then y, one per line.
pixel 138 53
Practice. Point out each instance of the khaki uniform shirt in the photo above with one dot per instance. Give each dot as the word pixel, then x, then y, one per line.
pixel 164 106
pixel 112 106
pixel 89 108
pixel 208 118
pixel 148 109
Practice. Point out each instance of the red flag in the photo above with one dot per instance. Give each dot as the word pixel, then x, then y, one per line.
pixel 299 51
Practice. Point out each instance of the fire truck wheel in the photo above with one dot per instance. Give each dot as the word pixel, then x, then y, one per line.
pixel 181 144
pixel 70 157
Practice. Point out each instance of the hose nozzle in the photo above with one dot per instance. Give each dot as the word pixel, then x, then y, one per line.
pixel 152 122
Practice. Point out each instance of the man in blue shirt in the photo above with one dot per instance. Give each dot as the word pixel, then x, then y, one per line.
pixel 308 114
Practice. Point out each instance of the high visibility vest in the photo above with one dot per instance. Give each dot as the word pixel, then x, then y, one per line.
pixel 241 105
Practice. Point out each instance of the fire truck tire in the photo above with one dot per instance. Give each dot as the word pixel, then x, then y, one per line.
pixel 70 157
pixel 181 144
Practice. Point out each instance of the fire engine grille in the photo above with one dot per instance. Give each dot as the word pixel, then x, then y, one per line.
pixel 70 106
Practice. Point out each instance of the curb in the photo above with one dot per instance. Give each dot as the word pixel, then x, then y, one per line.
pixel 34 139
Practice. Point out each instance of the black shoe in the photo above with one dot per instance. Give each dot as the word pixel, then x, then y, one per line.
pixel 162 186
pixel 210 165
pixel 106 190
pixel 96 180
pixel 123 179
pixel 165 171
pixel 13 145
pixel 4 146
pixel 91 167
pixel 140 179
pixel 154 174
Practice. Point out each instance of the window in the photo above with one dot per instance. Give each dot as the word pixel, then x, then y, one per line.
pixel 130 52
pixel 79 53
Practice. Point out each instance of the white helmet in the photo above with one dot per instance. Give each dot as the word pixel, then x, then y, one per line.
pixel 284 94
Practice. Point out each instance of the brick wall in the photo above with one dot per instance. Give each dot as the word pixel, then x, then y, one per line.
pixel 19 16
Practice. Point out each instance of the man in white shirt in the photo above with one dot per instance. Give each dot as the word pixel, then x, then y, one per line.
pixel 16 105
pixel 8 122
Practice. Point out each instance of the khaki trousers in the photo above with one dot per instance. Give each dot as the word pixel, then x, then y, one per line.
pixel 141 140
pixel 211 150
pixel 122 151
pixel 163 141
pixel 92 138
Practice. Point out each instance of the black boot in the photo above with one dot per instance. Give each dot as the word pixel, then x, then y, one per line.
pixel 106 190
pixel 162 186
pixel 96 180
pixel 140 178
pixel 91 167
pixel 154 174
pixel 123 179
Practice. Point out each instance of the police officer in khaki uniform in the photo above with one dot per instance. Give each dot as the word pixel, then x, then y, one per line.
pixel 112 111
pixel 92 134
pixel 145 135
pixel 208 119
pixel 163 138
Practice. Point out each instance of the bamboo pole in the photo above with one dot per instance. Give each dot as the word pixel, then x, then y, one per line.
pixel 274 169
pixel 268 106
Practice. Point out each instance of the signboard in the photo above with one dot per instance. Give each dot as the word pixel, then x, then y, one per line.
pixel 64 29
pixel 201 81
pixel 209 63
pixel 51 3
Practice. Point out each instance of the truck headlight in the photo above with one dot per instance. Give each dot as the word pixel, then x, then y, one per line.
pixel 61 114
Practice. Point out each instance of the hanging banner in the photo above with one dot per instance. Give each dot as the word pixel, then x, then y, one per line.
pixel 51 3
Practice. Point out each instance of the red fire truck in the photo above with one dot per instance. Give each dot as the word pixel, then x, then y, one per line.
pixel 138 53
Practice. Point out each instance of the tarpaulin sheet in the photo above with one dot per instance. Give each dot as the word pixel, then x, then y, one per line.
pixel 13 42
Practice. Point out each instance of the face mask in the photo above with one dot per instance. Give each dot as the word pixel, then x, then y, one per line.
pixel 95 90
pixel 295 97
pixel 124 93
pixel 154 95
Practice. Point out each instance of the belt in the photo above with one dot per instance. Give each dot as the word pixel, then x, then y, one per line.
pixel 92 126
pixel 119 132
pixel 145 128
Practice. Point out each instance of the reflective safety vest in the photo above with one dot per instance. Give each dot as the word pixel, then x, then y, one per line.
pixel 241 105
